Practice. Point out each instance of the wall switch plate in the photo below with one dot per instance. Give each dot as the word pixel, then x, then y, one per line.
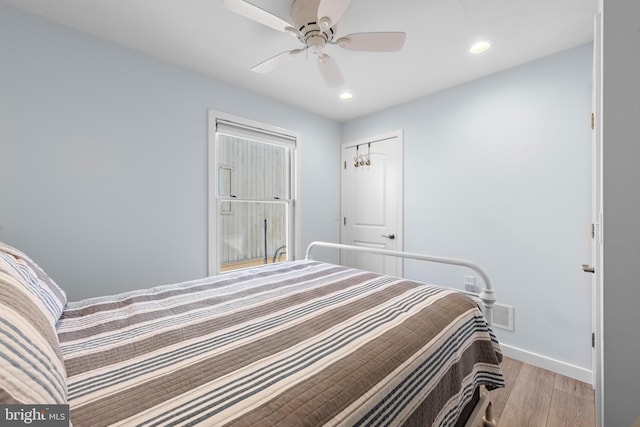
pixel 471 288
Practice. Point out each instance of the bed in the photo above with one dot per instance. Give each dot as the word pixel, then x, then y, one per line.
pixel 298 343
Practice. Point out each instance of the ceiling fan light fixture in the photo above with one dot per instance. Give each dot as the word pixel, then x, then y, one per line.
pixel 316 44
pixel 324 23
pixel 479 47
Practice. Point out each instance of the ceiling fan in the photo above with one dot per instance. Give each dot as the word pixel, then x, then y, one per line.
pixel 314 24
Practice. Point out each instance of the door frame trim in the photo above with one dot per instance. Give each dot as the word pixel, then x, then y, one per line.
pixel 597 188
pixel 399 134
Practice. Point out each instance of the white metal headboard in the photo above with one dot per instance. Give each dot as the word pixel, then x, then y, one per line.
pixel 487 295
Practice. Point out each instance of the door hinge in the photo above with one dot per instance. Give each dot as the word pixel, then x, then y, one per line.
pixel 593 340
pixel 345 165
pixel 593 121
pixel 593 231
pixel 344 221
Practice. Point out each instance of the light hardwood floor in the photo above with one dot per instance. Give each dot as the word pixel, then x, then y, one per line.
pixel 254 262
pixel 535 397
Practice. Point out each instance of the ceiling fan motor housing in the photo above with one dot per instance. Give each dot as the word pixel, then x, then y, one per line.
pixel 304 15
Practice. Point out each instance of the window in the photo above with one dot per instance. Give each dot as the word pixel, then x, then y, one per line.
pixel 251 170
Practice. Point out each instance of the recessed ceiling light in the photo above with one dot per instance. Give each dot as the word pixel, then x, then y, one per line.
pixel 346 96
pixel 479 47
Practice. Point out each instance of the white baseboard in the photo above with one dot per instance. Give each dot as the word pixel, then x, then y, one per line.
pixel 562 368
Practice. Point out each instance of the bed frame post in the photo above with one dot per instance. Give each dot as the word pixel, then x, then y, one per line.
pixel 487 295
pixel 488 420
pixel 483 412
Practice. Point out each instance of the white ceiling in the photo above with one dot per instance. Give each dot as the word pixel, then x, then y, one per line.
pixel 204 36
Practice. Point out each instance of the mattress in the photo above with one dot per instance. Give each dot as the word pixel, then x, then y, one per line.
pixel 298 343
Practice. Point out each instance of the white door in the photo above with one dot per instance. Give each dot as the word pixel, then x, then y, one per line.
pixel 372 201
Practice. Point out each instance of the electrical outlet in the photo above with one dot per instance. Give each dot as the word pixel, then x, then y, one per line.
pixel 470 284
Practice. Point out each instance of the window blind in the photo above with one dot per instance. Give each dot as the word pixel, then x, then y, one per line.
pixel 239 130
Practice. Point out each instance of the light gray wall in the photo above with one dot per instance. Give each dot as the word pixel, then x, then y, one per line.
pixel 498 171
pixel 103 158
pixel 621 224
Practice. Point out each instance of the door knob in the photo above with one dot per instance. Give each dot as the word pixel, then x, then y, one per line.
pixel 389 236
pixel 588 269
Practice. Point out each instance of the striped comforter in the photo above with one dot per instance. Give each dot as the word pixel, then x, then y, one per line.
pixel 299 343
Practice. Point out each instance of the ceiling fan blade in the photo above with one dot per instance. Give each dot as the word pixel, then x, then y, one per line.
pixel 278 60
pixel 330 12
pixel 257 14
pixel 373 42
pixel 330 71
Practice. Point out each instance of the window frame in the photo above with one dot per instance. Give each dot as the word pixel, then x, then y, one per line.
pixel 214 201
